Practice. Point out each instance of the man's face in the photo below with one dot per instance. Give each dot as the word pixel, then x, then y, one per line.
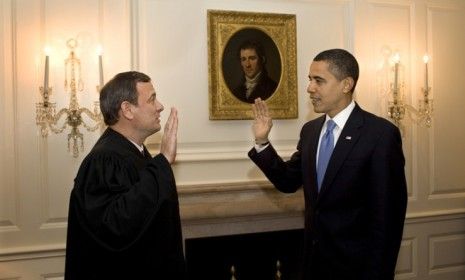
pixel 328 94
pixel 250 63
pixel 147 112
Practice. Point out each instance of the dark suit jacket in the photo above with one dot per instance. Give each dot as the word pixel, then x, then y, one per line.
pixel 353 227
pixel 264 89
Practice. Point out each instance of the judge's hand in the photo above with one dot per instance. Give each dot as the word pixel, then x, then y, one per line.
pixel 262 123
pixel 169 139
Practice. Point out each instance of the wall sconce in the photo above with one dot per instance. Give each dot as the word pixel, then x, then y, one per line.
pixel 397 108
pixel 46 116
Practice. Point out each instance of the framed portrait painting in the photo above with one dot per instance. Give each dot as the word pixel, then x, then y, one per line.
pixel 251 55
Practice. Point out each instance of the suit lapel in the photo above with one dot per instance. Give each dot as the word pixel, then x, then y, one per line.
pixel 346 141
pixel 314 134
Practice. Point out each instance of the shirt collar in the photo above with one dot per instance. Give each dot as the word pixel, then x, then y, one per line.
pixel 139 147
pixel 341 118
pixel 254 79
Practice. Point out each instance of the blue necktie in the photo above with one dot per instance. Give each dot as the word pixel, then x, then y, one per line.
pixel 326 149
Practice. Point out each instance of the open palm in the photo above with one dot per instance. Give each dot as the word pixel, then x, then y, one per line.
pixel 262 121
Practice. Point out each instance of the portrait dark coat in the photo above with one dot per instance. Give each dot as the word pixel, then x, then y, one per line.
pixel 354 226
pixel 265 87
pixel 123 215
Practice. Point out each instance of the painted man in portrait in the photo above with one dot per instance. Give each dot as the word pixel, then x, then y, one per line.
pixel 255 82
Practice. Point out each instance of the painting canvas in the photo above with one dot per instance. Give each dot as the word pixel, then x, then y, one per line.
pixel 251 55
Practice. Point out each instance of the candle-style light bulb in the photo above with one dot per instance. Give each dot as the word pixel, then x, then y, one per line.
pixel 100 65
pixel 396 59
pixel 426 60
pixel 47 53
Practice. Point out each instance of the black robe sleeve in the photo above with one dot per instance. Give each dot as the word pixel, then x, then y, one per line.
pixel 115 202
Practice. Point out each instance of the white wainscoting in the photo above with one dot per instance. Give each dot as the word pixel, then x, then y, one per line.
pixel 221 191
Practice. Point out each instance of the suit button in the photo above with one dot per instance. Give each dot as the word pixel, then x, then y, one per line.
pixel 315 241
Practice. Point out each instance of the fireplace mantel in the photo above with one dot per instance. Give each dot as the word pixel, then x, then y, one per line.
pixel 234 208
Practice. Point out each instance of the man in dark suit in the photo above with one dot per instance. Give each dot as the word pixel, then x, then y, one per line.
pixel 355 198
pixel 255 83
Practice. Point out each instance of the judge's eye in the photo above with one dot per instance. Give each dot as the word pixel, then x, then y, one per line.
pixel 152 99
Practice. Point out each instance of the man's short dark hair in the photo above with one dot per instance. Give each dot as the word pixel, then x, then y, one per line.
pixel 342 64
pixel 119 89
pixel 254 45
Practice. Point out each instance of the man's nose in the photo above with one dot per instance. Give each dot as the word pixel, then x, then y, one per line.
pixel 160 106
pixel 310 87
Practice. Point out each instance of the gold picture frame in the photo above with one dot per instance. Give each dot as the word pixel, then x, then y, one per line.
pixel 277 32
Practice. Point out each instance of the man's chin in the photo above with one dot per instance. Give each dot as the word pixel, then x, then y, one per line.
pixel 317 108
pixel 156 129
pixel 251 76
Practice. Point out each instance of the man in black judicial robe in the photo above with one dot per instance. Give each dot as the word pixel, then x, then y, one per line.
pixel 124 218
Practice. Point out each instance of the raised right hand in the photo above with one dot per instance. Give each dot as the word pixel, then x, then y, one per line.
pixel 169 140
pixel 262 123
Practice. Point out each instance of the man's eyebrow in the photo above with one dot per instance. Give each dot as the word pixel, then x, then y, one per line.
pixel 316 77
pixel 251 55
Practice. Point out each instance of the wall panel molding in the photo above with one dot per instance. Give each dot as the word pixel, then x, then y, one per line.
pixel 443 16
pixel 9 198
pixel 446 252
pixel 407 260
pixel 221 151
pixel 392 29
pixel 219 187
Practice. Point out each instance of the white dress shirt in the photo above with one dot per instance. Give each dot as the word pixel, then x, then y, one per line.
pixel 340 119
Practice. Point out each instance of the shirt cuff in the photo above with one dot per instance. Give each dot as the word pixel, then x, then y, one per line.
pixel 261 147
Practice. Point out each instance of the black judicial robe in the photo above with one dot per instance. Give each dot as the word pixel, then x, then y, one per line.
pixel 123 218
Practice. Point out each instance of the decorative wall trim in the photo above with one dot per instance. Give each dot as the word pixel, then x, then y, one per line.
pixel 410 149
pixel 409 247
pixel 58 250
pixel 9 117
pixel 11 278
pixel 134 32
pixel 222 151
pixel 55 223
pixel 7 226
pixel 234 200
pixel 53 276
pixel 434 193
pixel 443 253
pixel 32 252
pixel 435 216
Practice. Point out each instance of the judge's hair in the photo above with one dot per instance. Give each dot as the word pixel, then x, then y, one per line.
pixel 253 45
pixel 341 64
pixel 119 89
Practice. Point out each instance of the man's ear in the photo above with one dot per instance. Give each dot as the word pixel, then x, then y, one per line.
pixel 348 84
pixel 126 110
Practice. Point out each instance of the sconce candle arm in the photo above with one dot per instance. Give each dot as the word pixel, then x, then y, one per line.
pixel 47 119
pixel 397 108
pixel 94 117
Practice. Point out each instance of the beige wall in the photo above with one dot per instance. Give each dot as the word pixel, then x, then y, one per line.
pixel 221 191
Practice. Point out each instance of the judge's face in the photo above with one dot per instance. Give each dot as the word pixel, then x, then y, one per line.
pixel 328 94
pixel 250 63
pixel 147 112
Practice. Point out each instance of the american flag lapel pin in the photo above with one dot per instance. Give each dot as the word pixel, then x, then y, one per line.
pixel 348 137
